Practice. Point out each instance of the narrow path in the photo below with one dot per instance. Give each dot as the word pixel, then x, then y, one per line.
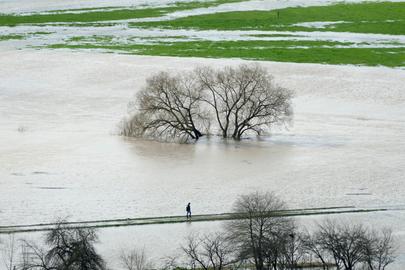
pixel 180 219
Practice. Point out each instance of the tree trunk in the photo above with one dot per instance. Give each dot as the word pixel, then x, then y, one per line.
pixel 197 133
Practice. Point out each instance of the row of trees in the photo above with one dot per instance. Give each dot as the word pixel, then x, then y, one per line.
pixel 257 238
pixel 260 238
pixel 239 101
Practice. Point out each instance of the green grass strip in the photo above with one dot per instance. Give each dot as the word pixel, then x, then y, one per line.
pixel 368 17
pixel 11 37
pixel 282 51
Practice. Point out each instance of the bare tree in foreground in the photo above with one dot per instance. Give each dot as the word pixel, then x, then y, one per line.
pixel 345 242
pixel 313 244
pixel 294 247
pixel 135 259
pixel 34 257
pixel 211 251
pixel 259 231
pixel 245 99
pixel 66 249
pixel 379 249
pixel 169 107
pixel 354 246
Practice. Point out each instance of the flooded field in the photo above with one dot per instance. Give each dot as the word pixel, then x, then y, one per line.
pixel 60 155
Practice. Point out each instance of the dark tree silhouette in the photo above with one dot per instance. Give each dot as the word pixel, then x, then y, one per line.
pixel 169 107
pixel 256 233
pixel 244 99
pixel 66 249
pixel 211 251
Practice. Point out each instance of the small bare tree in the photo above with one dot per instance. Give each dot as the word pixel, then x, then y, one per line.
pixel 379 249
pixel 135 259
pixel 170 263
pixel 345 242
pixel 73 248
pixel 255 231
pixel 313 244
pixel 169 107
pixel 34 257
pixel 245 99
pixel 210 251
pixel 294 248
pixel 65 248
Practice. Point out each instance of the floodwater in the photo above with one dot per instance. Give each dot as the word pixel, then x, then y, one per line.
pixel 60 157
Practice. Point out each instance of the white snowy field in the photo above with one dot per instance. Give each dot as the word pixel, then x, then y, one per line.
pixel 60 158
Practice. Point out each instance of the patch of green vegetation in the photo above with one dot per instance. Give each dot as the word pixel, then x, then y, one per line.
pixel 112 40
pixel 82 24
pixel 366 17
pixel 105 15
pixel 271 35
pixel 282 51
pixel 11 37
pixel 94 38
pixel 163 37
pixel 40 33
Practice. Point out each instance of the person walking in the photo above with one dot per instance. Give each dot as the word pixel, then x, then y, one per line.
pixel 188 211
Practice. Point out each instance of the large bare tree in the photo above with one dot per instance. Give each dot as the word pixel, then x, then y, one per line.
pixel 244 99
pixel 169 107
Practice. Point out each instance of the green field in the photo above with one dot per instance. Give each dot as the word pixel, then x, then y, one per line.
pixel 379 17
pixel 283 51
pixel 285 45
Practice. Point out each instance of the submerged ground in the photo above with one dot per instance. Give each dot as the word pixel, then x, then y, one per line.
pixel 62 97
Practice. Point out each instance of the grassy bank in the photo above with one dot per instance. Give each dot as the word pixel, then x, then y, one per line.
pixel 283 51
pixel 11 37
pixel 369 17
